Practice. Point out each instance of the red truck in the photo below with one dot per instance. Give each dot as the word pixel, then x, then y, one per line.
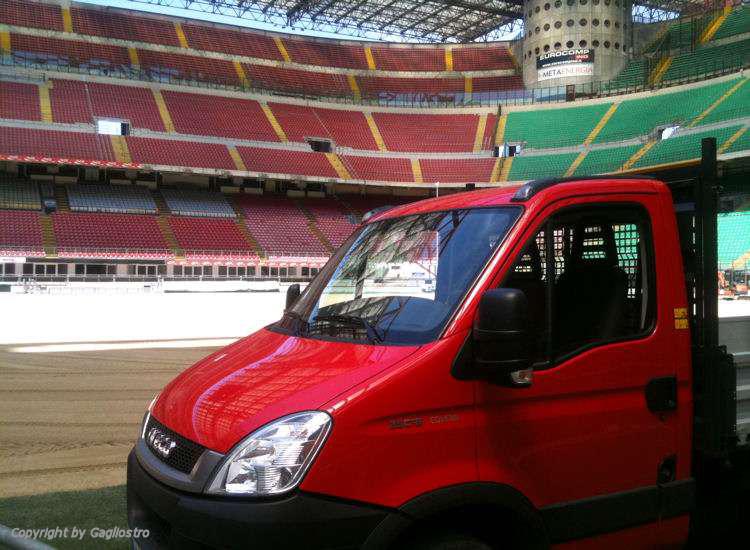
pixel 513 368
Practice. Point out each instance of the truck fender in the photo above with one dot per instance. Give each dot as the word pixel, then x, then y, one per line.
pixel 455 501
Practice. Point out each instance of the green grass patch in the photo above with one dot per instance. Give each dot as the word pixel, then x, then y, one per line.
pixel 86 510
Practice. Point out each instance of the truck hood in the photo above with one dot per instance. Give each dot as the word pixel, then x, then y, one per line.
pixel 239 388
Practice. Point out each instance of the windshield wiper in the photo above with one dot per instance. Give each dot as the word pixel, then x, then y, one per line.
pixel 352 320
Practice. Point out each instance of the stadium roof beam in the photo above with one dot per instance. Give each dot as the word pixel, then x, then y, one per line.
pixel 346 13
pixel 420 20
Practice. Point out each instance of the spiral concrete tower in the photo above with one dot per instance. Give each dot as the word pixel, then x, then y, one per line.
pixel 575 41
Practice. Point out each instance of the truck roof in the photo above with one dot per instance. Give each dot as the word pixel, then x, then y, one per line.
pixel 529 193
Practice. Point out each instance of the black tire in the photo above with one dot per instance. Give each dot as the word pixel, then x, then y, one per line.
pixel 450 541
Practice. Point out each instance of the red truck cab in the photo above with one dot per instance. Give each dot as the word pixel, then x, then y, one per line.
pixel 505 367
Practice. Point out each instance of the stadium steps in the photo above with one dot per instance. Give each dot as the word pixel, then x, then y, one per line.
pixel 161 204
pixel 314 229
pixel 48 236
pixel 660 70
pixel 169 237
pixel 245 230
pixel 711 29
pixel 61 198
pixel 45 103
pixel 741 82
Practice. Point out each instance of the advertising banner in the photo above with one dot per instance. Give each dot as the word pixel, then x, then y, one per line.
pixel 565 63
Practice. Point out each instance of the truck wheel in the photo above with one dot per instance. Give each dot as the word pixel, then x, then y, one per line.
pixel 451 541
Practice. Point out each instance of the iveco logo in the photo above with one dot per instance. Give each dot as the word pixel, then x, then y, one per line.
pixel 160 442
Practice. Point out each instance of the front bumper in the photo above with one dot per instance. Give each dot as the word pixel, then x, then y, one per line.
pixel 177 519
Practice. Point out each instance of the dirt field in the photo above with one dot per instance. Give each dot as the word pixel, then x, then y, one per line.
pixel 68 420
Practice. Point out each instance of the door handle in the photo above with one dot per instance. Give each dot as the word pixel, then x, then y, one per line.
pixel 661 394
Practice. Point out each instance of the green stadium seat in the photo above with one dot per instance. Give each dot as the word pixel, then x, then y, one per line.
pixel 737 22
pixel 540 166
pixel 603 161
pixel 680 148
pixel 571 126
pixel 637 117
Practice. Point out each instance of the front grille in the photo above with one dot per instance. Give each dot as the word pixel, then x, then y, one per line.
pixel 182 456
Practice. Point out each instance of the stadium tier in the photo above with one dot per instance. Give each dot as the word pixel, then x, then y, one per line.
pixel 110 198
pixel 280 228
pixel 20 195
pixel 736 23
pixel 214 132
pixel 197 203
pixel 98 235
pixel 210 239
pixel 163 49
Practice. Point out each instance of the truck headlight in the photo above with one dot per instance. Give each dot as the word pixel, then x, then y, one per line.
pixel 274 458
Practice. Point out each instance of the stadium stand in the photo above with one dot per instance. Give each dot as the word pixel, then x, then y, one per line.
pixel 164 66
pixel 281 228
pixel 429 133
pixel 571 128
pixel 25 101
pixel 378 168
pixel 112 24
pixel 18 195
pixel 708 59
pixel 635 117
pixel 75 101
pixel 281 161
pixel 298 82
pixel 325 54
pixel 99 235
pixel 189 202
pixel 457 170
pixel 734 236
pixel 427 58
pixel 54 52
pixel 218 116
pixel 741 142
pixel 179 153
pixel 329 217
pixel 732 106
pixel 42 16
pixel 539 166
pixel 603 161
pixel 679 148
pixel 20 233
pixel 737 22
pixel 55 144
pixel 110 198
pixel 634 75
pixel 226 40
pixel 261 136
pixel 481 58
pixel 209 239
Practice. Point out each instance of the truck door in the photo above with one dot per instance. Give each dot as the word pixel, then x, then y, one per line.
pixel 583 441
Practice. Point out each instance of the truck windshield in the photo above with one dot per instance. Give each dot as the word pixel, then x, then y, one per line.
pixel 398 280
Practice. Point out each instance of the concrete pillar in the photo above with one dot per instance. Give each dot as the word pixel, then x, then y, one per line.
pixel 559 30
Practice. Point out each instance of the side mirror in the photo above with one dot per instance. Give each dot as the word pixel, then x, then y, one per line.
pixel 502 338
pixel 292 293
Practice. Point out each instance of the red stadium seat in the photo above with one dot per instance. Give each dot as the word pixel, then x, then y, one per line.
pixel 20 233
pixel 117 235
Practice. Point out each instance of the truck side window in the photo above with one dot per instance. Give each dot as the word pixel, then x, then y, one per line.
pixel 601 274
